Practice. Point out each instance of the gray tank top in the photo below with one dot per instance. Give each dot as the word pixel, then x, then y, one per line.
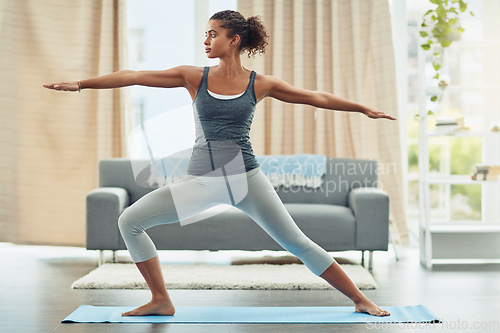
pixel 222 145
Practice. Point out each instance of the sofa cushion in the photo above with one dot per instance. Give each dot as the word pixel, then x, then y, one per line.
pixel 330 226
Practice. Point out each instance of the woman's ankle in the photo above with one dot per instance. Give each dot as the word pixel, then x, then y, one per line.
pixel 359 299
pixel 161 299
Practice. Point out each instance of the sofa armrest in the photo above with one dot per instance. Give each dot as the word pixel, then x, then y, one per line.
pixel 104 206
pixel 371 210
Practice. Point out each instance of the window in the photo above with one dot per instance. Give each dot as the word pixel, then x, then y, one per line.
pixel 162 35
pixel 473 91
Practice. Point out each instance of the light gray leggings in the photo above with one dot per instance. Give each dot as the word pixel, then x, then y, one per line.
pixel 194 194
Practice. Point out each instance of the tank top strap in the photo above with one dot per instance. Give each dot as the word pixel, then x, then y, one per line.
pixel 204 78
pixel 252 78
pixel 251 85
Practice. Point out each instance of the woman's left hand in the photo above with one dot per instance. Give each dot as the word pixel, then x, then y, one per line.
pixel 374 114
pixel 64 86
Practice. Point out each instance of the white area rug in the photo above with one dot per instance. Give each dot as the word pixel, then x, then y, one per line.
pixel 204 276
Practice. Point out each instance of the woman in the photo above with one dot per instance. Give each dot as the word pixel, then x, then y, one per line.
pixel 224 100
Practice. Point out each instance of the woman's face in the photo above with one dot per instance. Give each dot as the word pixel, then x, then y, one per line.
pixel 216 42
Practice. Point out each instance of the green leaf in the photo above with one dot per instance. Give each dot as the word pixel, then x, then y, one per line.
pixel 453 21
pixel 443 25
pixel 428 12
pixel 423 34
pixel 441 11
pixel 460 29
pixel 472 14
pixel 436 2
pixel 425 46
pixel 436 65
pixel 443 84
pixel 415 117
pixel 437 33
pixel 436 76
pixel 430 113
pixel 463 6
pixel 434 98
pixel 424 25
pixel 445 43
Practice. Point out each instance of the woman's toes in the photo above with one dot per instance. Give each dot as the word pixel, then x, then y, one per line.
pixel 370 308
pixel 379 312
pixel 383 313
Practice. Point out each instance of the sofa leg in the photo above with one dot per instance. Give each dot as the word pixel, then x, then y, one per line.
pixel 394 246
pixel 100 259
pixel 370 262
pixel 114 257
pixel 363 258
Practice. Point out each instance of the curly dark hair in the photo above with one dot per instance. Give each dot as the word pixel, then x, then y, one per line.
pixel 251 30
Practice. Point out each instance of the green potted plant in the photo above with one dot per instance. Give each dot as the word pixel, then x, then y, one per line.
pixel 441 26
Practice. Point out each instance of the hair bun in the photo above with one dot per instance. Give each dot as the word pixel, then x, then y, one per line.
pixel 258 37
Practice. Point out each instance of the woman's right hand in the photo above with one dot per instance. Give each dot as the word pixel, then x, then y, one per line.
pixel 65 86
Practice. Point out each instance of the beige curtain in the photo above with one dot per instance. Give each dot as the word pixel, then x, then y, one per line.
pixel 51 141
pixel 343 47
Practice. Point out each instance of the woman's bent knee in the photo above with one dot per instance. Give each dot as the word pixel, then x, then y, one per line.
pixel 295 244
pixel 126 223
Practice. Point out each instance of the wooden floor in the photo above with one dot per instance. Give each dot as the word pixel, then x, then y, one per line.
pixel 36 295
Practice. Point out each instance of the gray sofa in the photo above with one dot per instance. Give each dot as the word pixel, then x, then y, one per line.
pixel 348 212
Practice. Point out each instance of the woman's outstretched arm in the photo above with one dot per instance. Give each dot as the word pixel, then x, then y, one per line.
pixel 285 92
pixel 170 78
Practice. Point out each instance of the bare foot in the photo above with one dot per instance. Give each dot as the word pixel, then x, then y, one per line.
pixel 368 306
pixel 153 309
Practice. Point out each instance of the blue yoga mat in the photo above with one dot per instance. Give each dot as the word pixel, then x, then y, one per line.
pixel 233 314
